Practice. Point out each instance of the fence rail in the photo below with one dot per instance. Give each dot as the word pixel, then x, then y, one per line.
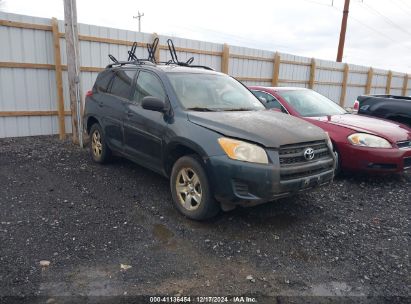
pixel 267 68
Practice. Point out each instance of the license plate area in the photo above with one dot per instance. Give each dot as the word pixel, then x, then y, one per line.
pixel 308 182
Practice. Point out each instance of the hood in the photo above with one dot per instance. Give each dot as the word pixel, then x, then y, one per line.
pixel 390 130
pixel 268 128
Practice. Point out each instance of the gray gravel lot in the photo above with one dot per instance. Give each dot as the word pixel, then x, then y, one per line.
pixel 347 239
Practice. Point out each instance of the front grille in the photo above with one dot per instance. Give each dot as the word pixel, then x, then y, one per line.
pixel 404 144
pixel 294 165
pixel 407 162
pixel 294 154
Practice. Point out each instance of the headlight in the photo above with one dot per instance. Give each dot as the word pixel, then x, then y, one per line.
pixel 368 140
pixel 240 150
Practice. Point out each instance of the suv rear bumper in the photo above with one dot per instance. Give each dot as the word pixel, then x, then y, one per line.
pixel 248 184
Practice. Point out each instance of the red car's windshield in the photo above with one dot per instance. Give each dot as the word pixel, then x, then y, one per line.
pixel 311 104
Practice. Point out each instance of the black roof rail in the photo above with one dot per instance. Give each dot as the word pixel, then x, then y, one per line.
pixel 190 65
pixel 135 62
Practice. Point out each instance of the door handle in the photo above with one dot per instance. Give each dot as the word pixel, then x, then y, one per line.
pixel 129 113
pixel 100 103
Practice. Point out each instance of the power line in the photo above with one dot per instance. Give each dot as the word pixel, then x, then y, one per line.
pixel 405 4
pixel 388 20
pixel 373 29
pixel 404 8
pixel 362 23
pixel 319 3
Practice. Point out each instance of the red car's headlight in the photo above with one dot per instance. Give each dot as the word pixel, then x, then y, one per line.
pixel 368 140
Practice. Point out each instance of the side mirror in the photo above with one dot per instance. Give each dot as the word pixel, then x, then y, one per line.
pixel 153 104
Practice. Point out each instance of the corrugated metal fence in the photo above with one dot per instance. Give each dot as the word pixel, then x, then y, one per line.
pixel 28 94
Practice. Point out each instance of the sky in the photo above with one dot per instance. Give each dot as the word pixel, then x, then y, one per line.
pixel 378 33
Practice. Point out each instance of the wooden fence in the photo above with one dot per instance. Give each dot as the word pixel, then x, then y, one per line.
pixel 274 66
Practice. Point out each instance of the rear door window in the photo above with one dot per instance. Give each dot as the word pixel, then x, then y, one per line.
pixel 122 83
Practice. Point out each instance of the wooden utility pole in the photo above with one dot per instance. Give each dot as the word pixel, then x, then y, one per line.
pixel 343 31
pixel 73 69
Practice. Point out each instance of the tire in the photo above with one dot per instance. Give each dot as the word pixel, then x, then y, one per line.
pixel 337 170
pixel 99 151
pixel 191 190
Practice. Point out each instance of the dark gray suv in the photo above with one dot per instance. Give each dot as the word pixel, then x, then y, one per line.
pixel 207 133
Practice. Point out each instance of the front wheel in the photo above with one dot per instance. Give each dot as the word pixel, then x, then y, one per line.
pixel 99 150
pixel 191 190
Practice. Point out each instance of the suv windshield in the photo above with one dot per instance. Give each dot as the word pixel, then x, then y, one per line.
pixel 211 92
pixel 311 104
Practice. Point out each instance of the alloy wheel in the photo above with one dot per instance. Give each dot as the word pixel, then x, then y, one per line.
pixel 188 188
pixel 96 145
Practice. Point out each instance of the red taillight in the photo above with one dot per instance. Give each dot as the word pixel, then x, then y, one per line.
pixel 356 105
pixel 89 93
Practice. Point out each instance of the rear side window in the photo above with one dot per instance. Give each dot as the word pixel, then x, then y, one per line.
pixel 122 83
pixel 148 85
pixel 103 80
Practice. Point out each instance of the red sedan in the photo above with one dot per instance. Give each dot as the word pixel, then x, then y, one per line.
pixel 361 143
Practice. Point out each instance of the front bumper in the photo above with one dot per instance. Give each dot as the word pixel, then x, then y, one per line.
pixel 376 160
pixel 248 184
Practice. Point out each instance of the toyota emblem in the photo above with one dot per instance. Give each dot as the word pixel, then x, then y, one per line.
pixel 309 154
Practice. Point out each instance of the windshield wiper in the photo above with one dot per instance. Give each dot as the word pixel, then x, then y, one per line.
pixel 238 109
pixel 200 109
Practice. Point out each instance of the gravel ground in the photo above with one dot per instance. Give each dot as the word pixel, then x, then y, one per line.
pixel 347 239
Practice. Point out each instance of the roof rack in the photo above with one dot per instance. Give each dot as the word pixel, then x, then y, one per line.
pixel 135 62
pixel 174 59
pixel 152 48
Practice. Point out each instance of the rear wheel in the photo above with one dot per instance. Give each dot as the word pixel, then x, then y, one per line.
pixel 190 189
pixel 99 150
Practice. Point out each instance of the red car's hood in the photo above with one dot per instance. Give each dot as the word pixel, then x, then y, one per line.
pixel 390 130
